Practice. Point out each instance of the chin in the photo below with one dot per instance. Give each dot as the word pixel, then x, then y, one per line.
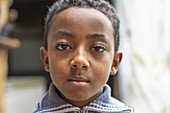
pixel 79 98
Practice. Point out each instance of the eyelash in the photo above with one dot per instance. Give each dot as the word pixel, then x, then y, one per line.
pixel 96 48
pixel 99 48
pixel 62 47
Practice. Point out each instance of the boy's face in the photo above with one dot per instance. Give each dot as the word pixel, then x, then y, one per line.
pixel 80 55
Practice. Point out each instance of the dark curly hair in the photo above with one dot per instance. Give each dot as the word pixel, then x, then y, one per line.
pixel 100 5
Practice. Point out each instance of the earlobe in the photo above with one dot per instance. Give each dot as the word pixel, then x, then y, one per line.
pixel 44 58
pixel 116 61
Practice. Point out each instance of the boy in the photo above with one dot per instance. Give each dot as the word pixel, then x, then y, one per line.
pixel 80 52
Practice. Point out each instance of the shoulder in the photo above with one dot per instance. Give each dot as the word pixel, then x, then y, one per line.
pixel 109 104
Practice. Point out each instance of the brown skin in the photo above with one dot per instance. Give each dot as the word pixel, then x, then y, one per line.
pixel 80 55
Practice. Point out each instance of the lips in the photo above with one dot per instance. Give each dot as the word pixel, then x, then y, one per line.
pixel 78 79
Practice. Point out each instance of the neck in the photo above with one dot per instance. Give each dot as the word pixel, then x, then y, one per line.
pixel 82 103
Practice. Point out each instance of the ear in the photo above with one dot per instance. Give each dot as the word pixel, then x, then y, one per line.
pixel 44 58
pixel 116 61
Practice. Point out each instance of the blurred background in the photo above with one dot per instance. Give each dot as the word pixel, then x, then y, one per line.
pixel 143 80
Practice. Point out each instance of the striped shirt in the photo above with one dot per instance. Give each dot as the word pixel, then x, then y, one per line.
pixel 53 103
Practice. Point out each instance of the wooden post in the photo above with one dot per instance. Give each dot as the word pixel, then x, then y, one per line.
pixel 3 73
pixel 3 53
pixel 4 10
pixel 5 44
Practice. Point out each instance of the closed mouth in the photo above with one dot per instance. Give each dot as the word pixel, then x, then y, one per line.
pixel 78 79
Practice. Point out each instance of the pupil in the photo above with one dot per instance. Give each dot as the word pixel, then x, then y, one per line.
pixel 97 48
pixel 64 46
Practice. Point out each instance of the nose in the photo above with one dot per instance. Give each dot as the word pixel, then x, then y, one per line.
pixel 80 61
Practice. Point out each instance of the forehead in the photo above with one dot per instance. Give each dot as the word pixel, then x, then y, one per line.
pixel 80 16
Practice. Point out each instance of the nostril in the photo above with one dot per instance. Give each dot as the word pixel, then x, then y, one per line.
pixel 80 67
pixel 74 66
pixel 84 67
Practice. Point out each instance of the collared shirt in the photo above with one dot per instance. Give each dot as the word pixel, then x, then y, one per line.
pixel 53 103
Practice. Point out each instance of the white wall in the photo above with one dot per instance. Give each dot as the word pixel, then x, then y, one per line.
pixel 22 94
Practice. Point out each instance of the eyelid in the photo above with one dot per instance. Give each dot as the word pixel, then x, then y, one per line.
pixel 101 46
pixel 62 44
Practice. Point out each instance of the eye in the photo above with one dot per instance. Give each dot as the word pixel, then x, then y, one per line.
pixel 99 48
pixel 62 47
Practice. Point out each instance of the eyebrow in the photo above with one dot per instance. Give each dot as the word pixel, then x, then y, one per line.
pixel 97 36
pixel 63 34
pixel 94 36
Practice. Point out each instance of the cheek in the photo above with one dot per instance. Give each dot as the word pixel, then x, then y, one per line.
pixel 103 65
pixel 102 71
pixel 58 68
pixel 58 74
